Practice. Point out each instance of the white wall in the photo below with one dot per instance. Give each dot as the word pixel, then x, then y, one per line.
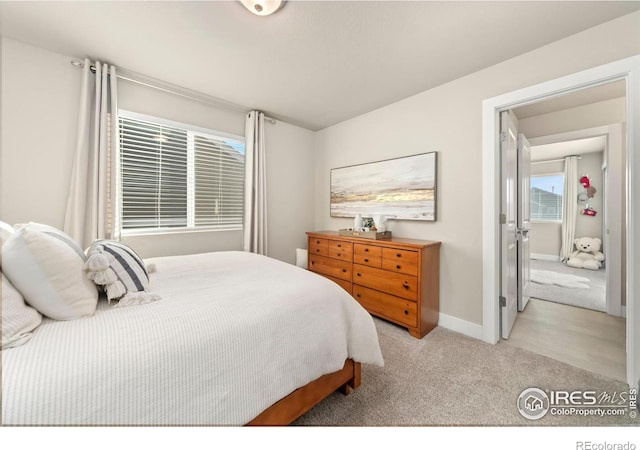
pixel 290 197
pixel 40 96
pixel 448 119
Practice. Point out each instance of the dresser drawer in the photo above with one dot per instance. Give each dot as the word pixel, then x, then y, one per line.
pixel 388 306
pixel 402 261
pixel 318 246
pixel 329 266
pixel 367 255
pixel 402 285
pixel 341 250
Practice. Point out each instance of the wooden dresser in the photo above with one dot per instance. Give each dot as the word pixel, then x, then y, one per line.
pixel 396 279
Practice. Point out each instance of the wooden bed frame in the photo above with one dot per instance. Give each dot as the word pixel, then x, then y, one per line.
pixel 303 399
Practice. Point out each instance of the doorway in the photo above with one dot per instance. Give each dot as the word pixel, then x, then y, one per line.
pixel 566 318
pixel 626 70
pixel 600 211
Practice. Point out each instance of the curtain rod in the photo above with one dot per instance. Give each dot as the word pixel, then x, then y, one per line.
pixel 177 90
pixel 550 160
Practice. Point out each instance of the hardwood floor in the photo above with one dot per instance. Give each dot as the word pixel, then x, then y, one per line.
pixel 591 340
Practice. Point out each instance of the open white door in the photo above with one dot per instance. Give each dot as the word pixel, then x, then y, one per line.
pixel 524 221
pixel 509 219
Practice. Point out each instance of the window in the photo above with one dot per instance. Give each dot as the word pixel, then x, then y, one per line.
pixel 546 197
pixel 177 176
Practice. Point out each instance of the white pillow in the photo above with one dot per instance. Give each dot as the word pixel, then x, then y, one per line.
pixel 47 267
pixel 18 319
pixel 6 231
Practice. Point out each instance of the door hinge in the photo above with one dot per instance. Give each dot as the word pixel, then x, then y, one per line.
pixel 503 136
pixel 503 301
pixel 503 219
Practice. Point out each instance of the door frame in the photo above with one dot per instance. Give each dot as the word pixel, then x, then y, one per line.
pixel 627 69
pixel 613 251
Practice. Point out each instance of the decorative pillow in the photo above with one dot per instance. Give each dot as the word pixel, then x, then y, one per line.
pixel 18 319
pixel 46 266
pixel 6 231
pixel 120 271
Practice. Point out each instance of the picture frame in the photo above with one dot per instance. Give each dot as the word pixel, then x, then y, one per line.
pixel 402 188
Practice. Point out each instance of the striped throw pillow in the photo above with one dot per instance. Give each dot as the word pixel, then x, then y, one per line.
pixel 119 270
pixel 47 267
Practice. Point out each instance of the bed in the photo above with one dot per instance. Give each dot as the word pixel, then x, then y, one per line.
pixel 235 339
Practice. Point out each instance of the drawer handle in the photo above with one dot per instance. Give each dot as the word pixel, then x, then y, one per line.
pixel 317 242
pixel 406 312
pixel 366 260
pixel 358 274
pixel 398 266
pixel 358 295
pixel 313 262
pixel 366 249
pixel 405 285
pixel 344 270
pixel 399 255
pixel 339 245
pixel 317 249
pixel 339 254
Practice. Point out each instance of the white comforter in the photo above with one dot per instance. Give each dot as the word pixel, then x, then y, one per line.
pixel 233 333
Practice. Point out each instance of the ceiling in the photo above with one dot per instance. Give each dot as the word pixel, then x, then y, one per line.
pixel 574 99
pixel 561 149
pixel 314 63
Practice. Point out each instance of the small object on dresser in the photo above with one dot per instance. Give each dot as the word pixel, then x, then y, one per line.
pixel 371 234
pixel 357 222
pixel 367 223
pixel 380 222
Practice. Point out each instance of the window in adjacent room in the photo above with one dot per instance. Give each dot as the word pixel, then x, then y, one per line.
pixel 178 177
pixel 546 197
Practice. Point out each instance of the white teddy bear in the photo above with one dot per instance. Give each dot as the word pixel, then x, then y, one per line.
pixel 587 254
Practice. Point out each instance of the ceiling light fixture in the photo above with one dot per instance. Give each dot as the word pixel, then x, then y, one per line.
pixel 263 7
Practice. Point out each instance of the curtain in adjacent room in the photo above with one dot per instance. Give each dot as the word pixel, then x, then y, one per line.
pixel 255 186
pixel 91 204
pixel 570 206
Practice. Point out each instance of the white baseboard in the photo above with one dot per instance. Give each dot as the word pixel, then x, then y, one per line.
pixel 461 326
pixel 544 257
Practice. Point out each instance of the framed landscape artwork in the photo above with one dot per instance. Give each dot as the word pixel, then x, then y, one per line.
pixel 401 188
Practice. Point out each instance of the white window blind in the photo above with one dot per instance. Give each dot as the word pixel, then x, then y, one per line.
pixel 175 176
pixel 546 197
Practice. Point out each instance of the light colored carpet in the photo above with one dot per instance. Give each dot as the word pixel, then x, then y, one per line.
pixel 449 379
pixel 594 297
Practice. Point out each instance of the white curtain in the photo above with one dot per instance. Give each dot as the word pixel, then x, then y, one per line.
pixel 569 206
pixel 91 205
pixel 255 186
